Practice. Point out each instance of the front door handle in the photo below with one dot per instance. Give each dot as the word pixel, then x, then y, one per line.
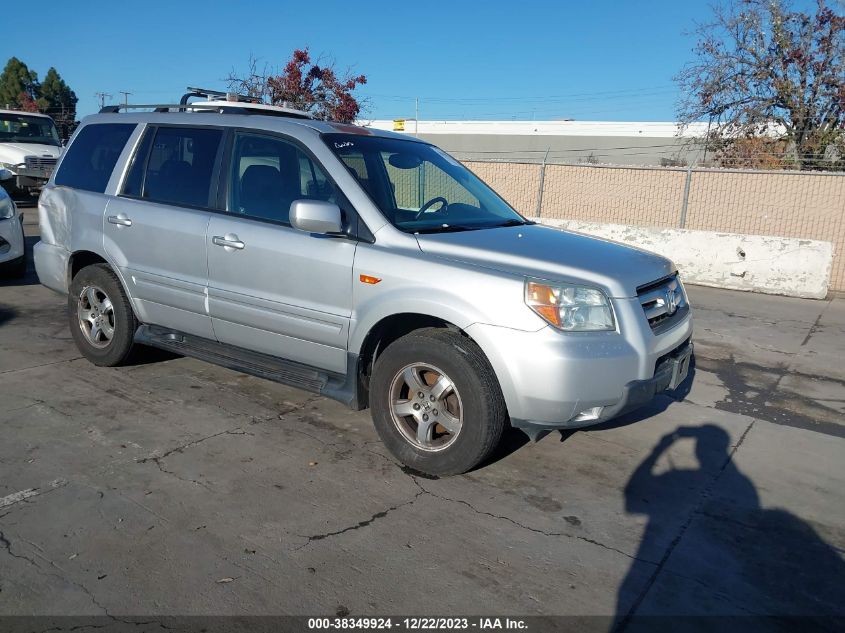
pixel 229 241
pixel 121 219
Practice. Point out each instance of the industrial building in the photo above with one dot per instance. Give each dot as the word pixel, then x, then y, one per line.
pixel 599 142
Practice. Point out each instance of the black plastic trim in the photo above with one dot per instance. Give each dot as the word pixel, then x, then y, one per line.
pixel 345 388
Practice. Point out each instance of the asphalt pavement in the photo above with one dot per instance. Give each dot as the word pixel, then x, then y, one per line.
pixel 174 487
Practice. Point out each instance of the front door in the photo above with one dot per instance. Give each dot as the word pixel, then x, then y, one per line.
pixel 155 230
pixel 272 288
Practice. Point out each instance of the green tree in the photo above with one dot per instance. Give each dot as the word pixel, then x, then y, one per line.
pixel 59 102
pixel 18 85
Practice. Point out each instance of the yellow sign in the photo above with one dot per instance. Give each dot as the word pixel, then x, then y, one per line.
pixel 398 125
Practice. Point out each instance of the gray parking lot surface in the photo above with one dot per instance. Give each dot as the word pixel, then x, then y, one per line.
pixel 177 487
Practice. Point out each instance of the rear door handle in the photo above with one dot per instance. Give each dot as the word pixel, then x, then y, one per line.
pixel 121 219
pixel 229 241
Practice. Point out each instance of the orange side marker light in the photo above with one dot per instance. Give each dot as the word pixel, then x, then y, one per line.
pixel 367 279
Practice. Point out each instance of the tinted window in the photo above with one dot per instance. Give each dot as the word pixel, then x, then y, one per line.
pixel 91 157
pixel 268 174
pixel 180 166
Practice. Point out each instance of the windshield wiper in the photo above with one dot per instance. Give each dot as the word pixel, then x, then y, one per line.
pixel 449 228
pixel 511 223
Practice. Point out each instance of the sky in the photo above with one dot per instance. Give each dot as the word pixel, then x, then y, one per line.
pixel 585 60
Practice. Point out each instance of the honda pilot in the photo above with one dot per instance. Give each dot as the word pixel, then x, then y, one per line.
pixel 367 266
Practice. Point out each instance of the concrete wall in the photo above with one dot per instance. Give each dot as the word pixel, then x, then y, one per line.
pixel 808 206
pixel 774 265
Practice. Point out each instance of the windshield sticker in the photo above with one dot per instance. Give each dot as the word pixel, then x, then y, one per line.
pixel 344 144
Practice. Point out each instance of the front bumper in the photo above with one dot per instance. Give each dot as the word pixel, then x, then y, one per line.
pixel 554 380
pixel 11 239
pixel 670 372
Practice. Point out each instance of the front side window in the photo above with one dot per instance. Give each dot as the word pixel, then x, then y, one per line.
pixel 418 187
pixel 268 174
pixel 23 128
pixel 175 166
pixel 91 157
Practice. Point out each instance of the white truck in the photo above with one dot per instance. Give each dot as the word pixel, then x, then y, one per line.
pixel 29 149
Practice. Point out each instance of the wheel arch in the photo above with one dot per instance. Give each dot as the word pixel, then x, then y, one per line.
pixel 79 260
pixel 82 258
pixel 393 327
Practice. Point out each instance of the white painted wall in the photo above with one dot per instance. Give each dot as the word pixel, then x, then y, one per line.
pixel 773 265
pixel 647 129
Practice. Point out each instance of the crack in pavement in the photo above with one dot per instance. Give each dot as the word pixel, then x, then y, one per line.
pixel 359 525
pixel 55 362
pixel 157 459
pixel 7 546
pixel 183 447
pixel 528 527
pixel 696 511
pixel 425 491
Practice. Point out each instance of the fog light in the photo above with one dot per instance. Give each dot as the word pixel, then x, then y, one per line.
pixel 588 414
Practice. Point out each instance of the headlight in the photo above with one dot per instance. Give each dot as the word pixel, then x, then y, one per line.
pixel 7 207
pixel 12 167
pixel 569 307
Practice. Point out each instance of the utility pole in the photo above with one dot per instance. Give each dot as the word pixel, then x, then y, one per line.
pixel 125 94
pixel 416 116
pixel 102 97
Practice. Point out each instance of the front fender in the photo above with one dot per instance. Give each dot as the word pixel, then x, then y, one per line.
pixel 412 282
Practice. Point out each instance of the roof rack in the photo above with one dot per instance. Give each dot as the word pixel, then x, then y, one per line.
pixel 212 95
pixel 216 101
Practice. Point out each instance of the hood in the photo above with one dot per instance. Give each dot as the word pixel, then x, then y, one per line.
pixel 16 153
pixel 552 254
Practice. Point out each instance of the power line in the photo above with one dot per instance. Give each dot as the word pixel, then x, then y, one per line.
pixel 102 97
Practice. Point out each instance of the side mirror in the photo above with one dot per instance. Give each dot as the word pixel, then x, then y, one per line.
pixel 5 174
pixel 316 216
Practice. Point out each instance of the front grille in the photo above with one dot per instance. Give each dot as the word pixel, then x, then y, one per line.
pixel 664 302
pixel 39 162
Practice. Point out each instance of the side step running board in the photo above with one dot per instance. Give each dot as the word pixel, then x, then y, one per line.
pixel 338 387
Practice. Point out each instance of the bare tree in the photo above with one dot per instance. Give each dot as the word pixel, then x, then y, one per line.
pixel 314 87
pixel 765 71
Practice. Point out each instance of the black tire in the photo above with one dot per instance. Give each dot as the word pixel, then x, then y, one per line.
pixel 484 413
pixel 118 349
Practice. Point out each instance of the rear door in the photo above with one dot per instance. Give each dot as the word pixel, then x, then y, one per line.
pixel 272 288
pixel 155 229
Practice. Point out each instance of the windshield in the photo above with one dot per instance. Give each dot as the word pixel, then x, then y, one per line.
pixel 419 187
pixel 21 128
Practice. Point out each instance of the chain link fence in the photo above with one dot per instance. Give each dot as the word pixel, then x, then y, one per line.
pixel 808 205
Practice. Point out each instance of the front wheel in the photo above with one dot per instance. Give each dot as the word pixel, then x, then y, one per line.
pixel 102 322
pixel 436 403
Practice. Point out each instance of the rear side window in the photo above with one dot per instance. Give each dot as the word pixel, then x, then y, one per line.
pixel 91 157
pixel 175 166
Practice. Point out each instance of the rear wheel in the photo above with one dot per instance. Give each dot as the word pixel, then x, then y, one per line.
pixel 436 403
pixel 102 322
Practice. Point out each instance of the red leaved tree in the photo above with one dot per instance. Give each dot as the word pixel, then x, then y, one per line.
pixel 314 87
pixel 27 103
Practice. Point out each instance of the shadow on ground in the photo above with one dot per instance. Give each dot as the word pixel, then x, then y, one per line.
pixel 731 556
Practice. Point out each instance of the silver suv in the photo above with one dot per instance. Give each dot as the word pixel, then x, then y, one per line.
pixel 366 266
